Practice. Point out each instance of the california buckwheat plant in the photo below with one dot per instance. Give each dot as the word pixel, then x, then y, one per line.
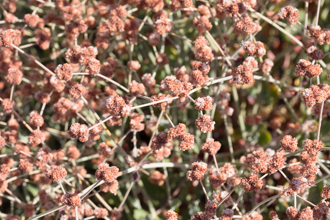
pixel 164 109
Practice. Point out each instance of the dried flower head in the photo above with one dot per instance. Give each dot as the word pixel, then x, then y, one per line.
pixel 56 173
pixel 211 146
pixel 198 169
pixel 106 173
pixel 71 199
pixel 288 143
pixel 205 123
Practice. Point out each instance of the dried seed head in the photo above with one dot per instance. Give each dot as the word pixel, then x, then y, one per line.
pixel 325 193
pixel 71 199
pixel 314 53
pixel 251 183
pixel 171 215
pixel 205 123
pixel 77 90
pixel 157 178
pixel 56 173
pixel 35 119
pixel 73 152
pixel 211 146
pixel 25 165
pixel 203 103
pixel 10 36
pixel 101 212
pixel 14 76
pixel 36 137
pixel 105 150
pixel 64 72
pixel 312 147
pixel 288 143
pixel 176 132
pixel 31 19
pixel 197 172
pixel 106 173
pixel 7 105
pixel 186 142
pixel 133 65
pixel 136 88
pixel 291 13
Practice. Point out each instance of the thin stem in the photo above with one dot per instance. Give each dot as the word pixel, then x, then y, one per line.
pixel 277 27
pixel 62 187
pixel 305 200
pixel 318 12
pixel 112 81
pixel 36 61
pixel 202 185
pixel 12 92
pixel 126 195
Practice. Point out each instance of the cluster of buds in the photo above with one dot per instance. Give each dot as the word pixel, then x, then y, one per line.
pixel 176 87
pixel 251 183
pixel 197 172
pixel 226 173
pixel 84 56
pixel 76 28
pixel 157 178
pixel 205 123
pixel 56 173
pixel 266 65
pixel 252 49
pixel 211 146
pixel 203 103
pixel 79 131
pixel 117 106
pixel 162 23
pixel 199 75
pixel 312 147
pixel 160 97
pixel 243 74
pixel 306 68
pixel 202 23
pixel 290 13
pixel 10 36
pixel 321 35
pixel 288 143
pixel 106 173
pixel 71 199
pixel 135 122
pixel 293 213
pixel 176 4
pixel 136 88
pixel 314 53
pixel 14 76
pixel 202 50
pixel 162 145
pixel 131 30
pixel 315 94
pixel 246 25
pixel 233 8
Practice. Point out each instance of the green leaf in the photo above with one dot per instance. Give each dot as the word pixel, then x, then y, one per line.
pixel 140 214
pixel 265 138
pixel 32 189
